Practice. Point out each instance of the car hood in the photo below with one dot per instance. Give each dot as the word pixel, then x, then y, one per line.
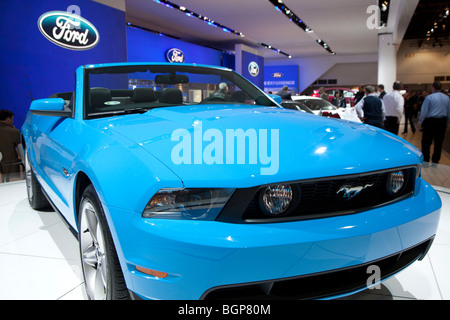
pixel 244 146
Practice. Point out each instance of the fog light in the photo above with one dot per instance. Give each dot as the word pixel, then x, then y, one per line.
pixel 274 200
pixel 395 182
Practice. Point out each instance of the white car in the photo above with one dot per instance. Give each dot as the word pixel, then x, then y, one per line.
pixel 324 108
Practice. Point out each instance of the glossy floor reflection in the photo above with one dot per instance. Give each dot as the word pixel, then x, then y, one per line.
pixel 39 257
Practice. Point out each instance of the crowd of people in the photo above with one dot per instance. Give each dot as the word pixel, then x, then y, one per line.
pixel 385 110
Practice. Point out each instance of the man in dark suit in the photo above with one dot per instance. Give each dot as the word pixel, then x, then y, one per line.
pixel 370 109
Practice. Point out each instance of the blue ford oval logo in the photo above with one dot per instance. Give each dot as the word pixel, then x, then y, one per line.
pixel 277 75
pixel 175 55
pixel 68 30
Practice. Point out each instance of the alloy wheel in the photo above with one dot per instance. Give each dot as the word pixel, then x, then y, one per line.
pixel 28 174
pixel 93 252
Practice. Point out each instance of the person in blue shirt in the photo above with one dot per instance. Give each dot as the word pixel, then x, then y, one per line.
pixel 433 120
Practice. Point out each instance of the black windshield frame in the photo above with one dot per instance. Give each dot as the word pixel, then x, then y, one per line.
pixel 255 95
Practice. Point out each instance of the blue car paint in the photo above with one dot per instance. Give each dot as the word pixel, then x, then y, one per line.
pixel 44 104
pixel 199 255
pixel 202 255
pixel 344 152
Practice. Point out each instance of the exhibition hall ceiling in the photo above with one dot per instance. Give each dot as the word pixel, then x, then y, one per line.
pixel 430 23
pixel 345 26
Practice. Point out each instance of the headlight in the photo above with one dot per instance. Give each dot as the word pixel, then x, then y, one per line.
pixel 395 182
pixel 418 170
pixel 275 200
pixel 203 204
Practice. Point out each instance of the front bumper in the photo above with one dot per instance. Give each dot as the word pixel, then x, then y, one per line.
pixel 201 256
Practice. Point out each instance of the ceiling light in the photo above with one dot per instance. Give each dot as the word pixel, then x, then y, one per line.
pixel 280 6
pixel 325 46
pixel 267 46
pixel 384 12
pixel 193 14
pixel 213 23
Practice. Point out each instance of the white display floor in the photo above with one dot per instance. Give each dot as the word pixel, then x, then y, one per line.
pixel 39 257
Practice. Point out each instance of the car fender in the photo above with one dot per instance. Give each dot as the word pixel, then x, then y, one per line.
pixel 110 157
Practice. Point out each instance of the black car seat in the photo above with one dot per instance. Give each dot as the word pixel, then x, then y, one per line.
pixel 171 96
pixel 141 95
pixel 97 99
pixel 238 96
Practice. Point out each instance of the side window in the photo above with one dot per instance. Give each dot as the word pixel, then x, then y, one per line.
pixel 348 94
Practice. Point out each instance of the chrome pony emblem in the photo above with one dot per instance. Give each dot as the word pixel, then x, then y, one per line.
pixel 352 191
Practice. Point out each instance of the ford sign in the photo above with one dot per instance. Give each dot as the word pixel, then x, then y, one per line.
pixel 175 55
pixel 253 69
pixel 68 30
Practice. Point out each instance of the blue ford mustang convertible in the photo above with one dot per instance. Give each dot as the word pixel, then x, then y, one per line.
pixel 188 182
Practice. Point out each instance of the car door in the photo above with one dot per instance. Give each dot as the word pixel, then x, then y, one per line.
pixel 54 155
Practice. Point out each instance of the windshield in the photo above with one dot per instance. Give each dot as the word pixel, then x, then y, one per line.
pixel 117 90
pixel 296 105
pixel 317 104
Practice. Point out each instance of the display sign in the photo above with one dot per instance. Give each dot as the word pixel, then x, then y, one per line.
pixel 175 55
pixel 253 69
pixel 68 30
pixel 36 67
pixel 276 77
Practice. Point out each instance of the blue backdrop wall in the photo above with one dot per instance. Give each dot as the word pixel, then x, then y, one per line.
pixel 145 46
pixel 32 67
pixel 31 64
pixel 253 68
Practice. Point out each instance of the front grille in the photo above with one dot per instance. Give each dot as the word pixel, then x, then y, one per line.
pixel 323 197
pixel 324 284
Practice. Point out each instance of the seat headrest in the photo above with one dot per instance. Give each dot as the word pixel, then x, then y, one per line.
pixel 143 95
pixel 172 96
pixel 98 97
pixel 238 96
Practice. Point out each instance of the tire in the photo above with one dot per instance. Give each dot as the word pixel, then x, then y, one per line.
pixel 102 273
pixel 36 196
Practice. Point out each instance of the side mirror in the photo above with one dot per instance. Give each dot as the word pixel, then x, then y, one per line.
pixel 53 107
pixel 276 98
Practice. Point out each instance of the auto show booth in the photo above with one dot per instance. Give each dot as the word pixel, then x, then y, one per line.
pixel 48 48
